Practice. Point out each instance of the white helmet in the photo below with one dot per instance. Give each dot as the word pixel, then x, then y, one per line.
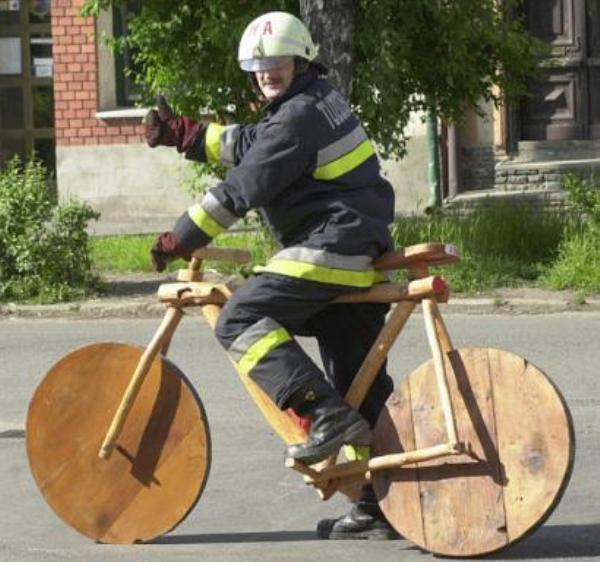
pixel 272 36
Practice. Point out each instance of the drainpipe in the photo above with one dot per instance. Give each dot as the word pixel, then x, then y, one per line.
pixel 433 164
pixel 453 162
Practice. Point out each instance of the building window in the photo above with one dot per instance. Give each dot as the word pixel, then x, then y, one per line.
pixel 127 92
pixel 26 91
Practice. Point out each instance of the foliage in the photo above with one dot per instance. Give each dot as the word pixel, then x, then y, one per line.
pixel 584 195
pixel 578 263
pixel 501 245
pixel 43 246
pixel 440 56
pixel 187 51
pixel 410 54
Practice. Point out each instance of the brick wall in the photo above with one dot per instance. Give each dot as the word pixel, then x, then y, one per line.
pixel 75 83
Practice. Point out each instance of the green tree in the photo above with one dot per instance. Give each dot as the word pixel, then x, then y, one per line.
pixel 405 55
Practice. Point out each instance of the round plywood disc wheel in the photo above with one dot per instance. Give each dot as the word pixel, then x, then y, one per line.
pixel 519 435
pixel 160 465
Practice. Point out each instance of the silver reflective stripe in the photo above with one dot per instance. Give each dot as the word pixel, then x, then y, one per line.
pixel 217 211
pixel 248 337
pixel 342 146
pixel 229 136
pixel 327 259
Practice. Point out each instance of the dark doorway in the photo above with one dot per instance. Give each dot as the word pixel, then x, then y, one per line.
pixel 565 103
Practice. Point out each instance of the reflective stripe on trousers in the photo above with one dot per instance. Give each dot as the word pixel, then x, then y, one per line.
pixel 258 323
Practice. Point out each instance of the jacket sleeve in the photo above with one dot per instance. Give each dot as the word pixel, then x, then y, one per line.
pixel 222 144
pixel 280 153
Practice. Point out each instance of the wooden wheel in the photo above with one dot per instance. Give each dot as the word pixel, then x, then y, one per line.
pixel 521 446
pixel 160 465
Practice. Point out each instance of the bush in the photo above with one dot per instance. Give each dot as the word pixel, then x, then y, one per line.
pixel 578 263
pixel 44 254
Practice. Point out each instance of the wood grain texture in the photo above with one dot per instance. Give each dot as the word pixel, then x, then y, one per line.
pixel 161 462
pixel 427 254
pixel 519 455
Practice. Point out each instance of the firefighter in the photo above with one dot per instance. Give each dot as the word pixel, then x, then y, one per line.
pixel 309 169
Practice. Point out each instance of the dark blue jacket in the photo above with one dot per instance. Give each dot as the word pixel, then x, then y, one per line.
pixel 311 171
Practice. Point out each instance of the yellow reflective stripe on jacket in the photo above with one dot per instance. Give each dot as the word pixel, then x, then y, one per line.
pixel 204 221
pixel 346 163
pixel 357 452
pixel 322 274
pixel 212 142
pixel 261 348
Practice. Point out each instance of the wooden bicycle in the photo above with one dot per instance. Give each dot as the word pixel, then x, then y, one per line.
pixel 472 451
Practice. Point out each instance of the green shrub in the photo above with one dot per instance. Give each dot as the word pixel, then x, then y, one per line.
pixel 584 195
pixel 578 263
pixel 44 253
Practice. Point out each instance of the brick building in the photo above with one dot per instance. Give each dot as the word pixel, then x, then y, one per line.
pixel 91 130
pixel 63 93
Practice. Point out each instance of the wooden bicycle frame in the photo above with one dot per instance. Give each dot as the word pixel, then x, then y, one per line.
pixel 327 477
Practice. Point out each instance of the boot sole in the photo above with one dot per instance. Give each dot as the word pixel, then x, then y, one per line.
pixel 357 434
pixel 372 535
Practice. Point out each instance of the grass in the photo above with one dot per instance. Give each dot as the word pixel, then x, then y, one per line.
pixel 121 254
pixel 500 245
pixel 578 263
pixel 131 253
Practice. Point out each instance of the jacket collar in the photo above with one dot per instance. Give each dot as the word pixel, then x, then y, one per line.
pixel 299 84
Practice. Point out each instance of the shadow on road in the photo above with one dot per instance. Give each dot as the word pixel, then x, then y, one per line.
pixel 551 541
pixel 132 287
pixel 266 536
pixel 555 541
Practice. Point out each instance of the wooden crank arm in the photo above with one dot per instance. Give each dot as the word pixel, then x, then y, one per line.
pixel 350 470
pixel 366 375
pixel 439 342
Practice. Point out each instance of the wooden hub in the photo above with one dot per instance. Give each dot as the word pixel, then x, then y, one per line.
pixel 160 465
pixel 519 438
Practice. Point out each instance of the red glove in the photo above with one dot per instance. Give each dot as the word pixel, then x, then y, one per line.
pixel 167 248
pixel 164 128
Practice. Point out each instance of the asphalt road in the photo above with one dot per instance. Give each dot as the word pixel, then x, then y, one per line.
pixel 264 512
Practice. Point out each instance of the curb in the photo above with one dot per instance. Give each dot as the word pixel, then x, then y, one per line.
pixel 108 308
pixel 148 307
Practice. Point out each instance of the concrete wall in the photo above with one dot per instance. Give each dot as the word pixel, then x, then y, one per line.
pixel 139 190
pixel 136 189
pixel 409 177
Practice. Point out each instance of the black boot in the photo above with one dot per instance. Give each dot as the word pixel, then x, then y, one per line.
pixel 334 424
pixel 365 521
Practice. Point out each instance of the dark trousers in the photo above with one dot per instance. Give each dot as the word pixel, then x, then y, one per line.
pixel 345 333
